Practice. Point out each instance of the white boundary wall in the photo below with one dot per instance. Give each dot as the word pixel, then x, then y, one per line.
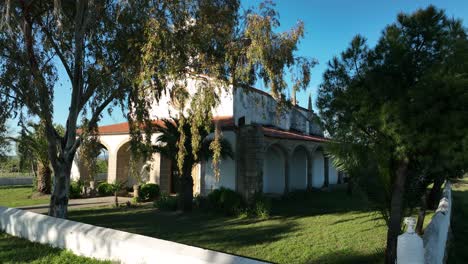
pixel 436 234
pixel 104 243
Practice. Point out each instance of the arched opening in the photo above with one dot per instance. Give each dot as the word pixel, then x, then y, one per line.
pixel 83 168
pixel 298 176
pixel 123 173
pixel 274 169
pixel 102 164
pixel 123 163
pixel 318 174
pixel 332 173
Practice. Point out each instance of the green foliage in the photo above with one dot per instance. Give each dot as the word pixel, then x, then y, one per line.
pixel 398 110
pixel 149 192
pixel 105 189
pixel 260 206
pixel 166 202
pixel 226 201
pixel 75 189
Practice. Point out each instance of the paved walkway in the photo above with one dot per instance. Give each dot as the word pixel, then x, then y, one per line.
pixel 78 204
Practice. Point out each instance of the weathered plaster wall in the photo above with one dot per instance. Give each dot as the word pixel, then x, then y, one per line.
pixel 298 175
pixel 332 173
pixel 164 108
pixel 104 243
pixel 227 168
pixel 274 171
pixel 318 170
pixel 436 233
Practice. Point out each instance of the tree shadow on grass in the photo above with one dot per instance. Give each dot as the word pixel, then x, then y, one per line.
pixel 21 250
pixel 196 228
pixel 351 257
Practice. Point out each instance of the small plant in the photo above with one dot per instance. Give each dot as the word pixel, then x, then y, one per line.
pixel 226 201
pixel 166 202
pixel 75 189
pixel 260 206
pixel 105 189
pixel 116 187
pixel 200 202
pixel 149 192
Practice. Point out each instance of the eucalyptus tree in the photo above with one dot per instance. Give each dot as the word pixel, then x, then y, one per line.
pixel 93 42
pixel 231 50
pixel 398 111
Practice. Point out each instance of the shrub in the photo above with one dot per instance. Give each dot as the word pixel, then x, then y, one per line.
pixel 260 206
pixel 149 191
pixel 105 189
pixel 226 201
pixel 200 202
pixel 75 189
pixel 166 203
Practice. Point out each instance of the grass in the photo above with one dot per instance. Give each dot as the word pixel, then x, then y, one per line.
pixel 459 237
pixel 15 175
pixel 17 250
pixel 14 196
pixel 320 227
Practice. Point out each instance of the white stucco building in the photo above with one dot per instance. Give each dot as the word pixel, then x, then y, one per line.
pixel 275 151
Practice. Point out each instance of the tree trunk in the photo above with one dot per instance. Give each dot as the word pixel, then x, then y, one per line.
pixel 186 190
pixel 44 178
pixel 116 199
pixel 394 226
pixel 59 199
pixel 421 215
pixel 435 193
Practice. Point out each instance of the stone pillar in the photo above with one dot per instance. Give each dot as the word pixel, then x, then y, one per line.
pixel 310 162
pixel 155 168
pixel 112 166
pixel 287 172
pixel 250 160
pixel 325 171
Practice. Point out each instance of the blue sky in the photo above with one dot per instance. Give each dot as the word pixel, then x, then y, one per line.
pixel 330 25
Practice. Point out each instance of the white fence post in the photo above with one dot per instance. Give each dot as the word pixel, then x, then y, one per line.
pixel 410 247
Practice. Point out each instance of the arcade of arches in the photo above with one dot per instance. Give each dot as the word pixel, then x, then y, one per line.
pixel 264 162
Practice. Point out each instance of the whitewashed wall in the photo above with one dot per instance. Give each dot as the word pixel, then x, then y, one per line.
pixel 436 233
pixel 318 177
pixel 273 171
pixel 227 168
pixel 332 173
pixel 164 108
pixel 104 243
pixel 298 175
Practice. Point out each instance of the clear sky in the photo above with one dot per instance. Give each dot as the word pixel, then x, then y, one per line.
pixel 330 25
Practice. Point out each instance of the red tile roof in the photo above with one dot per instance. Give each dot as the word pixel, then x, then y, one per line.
pixel 277 133
pixel 123 128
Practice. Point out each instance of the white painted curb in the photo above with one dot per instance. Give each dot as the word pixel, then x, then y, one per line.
pixel 106 244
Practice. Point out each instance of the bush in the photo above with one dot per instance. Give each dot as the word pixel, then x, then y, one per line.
pixel 226 201
pixel 149 191
pixel 105 189
pixel 200 202
pixel 75 189
pixel 166 203
pixel 260 206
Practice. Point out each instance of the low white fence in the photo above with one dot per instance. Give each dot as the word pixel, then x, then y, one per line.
pixel 433 244
pixel 106 244
pixel 16 181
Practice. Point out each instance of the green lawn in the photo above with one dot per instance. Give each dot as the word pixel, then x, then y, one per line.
pixel 16 250
pixel 458 252
pixel 14 196
pixel 324 227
